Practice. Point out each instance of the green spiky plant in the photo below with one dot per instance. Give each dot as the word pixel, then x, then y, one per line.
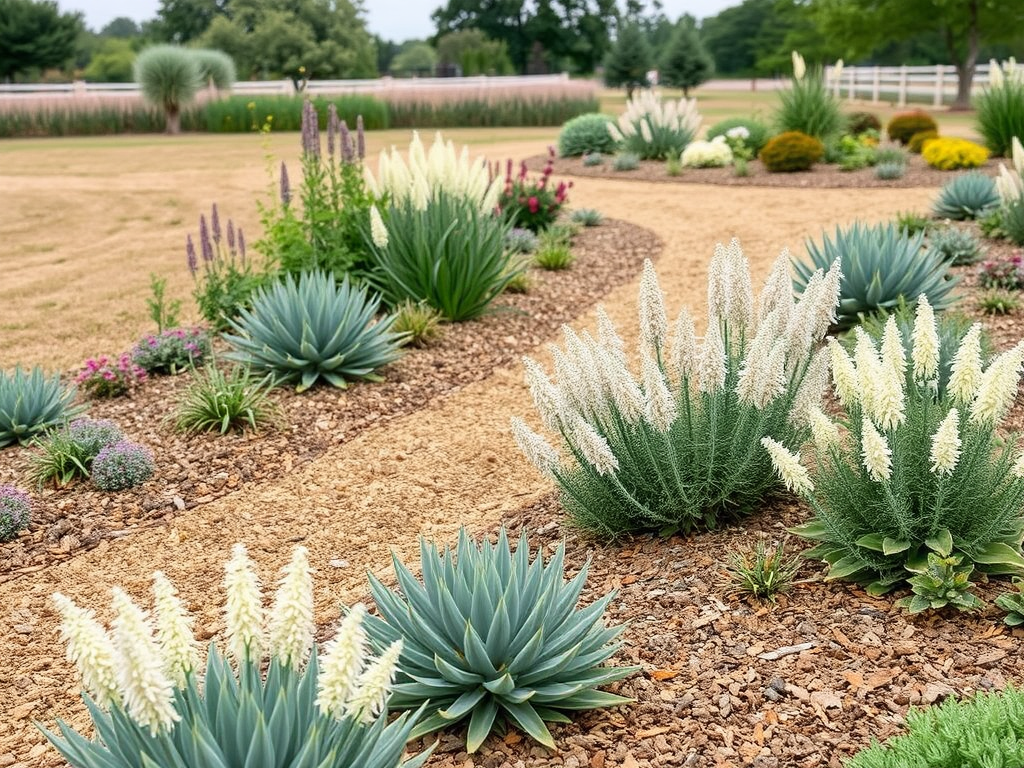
pixel 491 633
pixel 169 77
pixel 970 195
pixel 313 328
pixel 224 400
pixel 151 707
pixel 31 403
pixel 881 265
pixel 908 471
pixel 808 106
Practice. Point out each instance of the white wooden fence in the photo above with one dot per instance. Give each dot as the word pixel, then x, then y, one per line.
pixel 931 84
pixel 382 86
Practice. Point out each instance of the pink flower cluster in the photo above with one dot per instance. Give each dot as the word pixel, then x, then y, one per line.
pixel 1003 273
pixel 102 377
pixel 533 203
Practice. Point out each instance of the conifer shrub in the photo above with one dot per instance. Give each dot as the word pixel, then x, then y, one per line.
pixel 791 151
pixel 904 125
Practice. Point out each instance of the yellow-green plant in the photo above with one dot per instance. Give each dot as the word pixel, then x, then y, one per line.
pixel 949 154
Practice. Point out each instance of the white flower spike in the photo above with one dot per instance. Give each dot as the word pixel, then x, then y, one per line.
pixel 291 618
pixel 174 631
pixel 89 648
pixel 378 232
pixel 244 608
pixel 342 663
pixel 788 466
pixel 945 452
pixel 876 452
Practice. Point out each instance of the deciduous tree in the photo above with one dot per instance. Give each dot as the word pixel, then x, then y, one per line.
pixel 35 36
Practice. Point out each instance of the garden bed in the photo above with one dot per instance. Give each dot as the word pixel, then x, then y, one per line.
pixel 918 174
pixel 194 470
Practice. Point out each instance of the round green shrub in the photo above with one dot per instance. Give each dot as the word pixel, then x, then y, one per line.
pixel 791 151
pixel 585 134
pixel 903 126
pixel 759 132
pixel 916 142
pixel 861 122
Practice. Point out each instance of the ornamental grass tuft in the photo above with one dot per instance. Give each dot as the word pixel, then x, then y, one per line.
pixel 675 449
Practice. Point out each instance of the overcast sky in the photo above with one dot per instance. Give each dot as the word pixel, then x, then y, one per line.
pixel 391 19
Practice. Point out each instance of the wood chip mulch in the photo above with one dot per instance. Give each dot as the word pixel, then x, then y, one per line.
pixel 194 470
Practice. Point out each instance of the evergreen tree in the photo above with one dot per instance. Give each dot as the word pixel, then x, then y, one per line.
pixel 685 63
pixel 629 60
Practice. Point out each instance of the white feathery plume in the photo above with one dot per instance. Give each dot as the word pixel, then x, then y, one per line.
pixel 548 399
pixel 147 692
pixel 998 387
pixel 741 296
pixel 802 318
pixel 378 232
pixel 373 686
pixel 89 648
pixel 945 451
pixel 608 337
pixel 574 389
pixel 659 407
pixel 342 663
pixel 244 607
pixel 773 382
pixel 824 431
pixel 827 300
pixel 683 349
pixel 844 375
pixel 876 452
pixel 995 75
pixel 594 447
pixel 893 354
pixel 788 467
pixel 174 631
pixel 925 350
pixel 1017 155
pixel 799 66
pixel 888 400
pixel 777 291
pixel 711 367
pixel 965 371
pixel 755 365
pixel 869 369
pixel 812 389
pixel 645 131
pixel 625 391
pixel 291 623
pixel 536 449
pixel 718 286
pixel 598 375
pixel 615 133
pixel 651 309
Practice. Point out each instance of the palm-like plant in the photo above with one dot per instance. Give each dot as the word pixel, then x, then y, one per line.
pixel 169 76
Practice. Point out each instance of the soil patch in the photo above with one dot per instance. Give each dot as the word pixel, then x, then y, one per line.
pixel 918 174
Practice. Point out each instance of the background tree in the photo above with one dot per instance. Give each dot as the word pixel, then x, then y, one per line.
pixel 35 36
pixel 731 36
pixel 629 60
pixel 416 57
pixel 122 27
pixel 180 21
pixel 964 25
pixel 111 62
pixel 386 51
pixel 169 77
pixel 685 63
pixel 472 53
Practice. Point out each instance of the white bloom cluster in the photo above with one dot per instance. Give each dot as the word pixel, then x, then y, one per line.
pixel 740 132
pixel 1010 181
pixel 799 66
pixel 646 114
pixel 788 466
pixel 428 172
pixel 708 154
pixel 1001 74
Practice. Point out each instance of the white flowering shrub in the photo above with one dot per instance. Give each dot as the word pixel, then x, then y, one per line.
pixel 708 154
pixel 1010 181
pixel 676 449
pixel 654 129
pixel 907 470
pixel 150 707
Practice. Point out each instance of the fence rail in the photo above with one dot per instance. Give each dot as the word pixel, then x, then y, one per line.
pixel 930 84
pixel 381 86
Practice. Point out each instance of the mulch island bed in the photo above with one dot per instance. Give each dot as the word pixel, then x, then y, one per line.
pixel 918 174
pixel 193 470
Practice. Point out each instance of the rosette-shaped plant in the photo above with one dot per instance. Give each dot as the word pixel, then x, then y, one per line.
pixel 907 471
pixel 882 265
pixel 313 328
pixel 151 707
pixel 30 404
pixel 967 196
pixel 489 633
pixel 675 448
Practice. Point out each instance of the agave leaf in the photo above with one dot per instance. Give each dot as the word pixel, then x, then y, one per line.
pixel 591 699
pixel 501 686
pixel 526 717
pixel 455 674
pixel 498 634
pixel 464 704
pixel 480 724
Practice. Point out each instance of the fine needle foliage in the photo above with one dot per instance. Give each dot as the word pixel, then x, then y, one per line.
pixel 677 449
pixel 169 77
pixel 908 471
pixel 152 704
pixel 490 632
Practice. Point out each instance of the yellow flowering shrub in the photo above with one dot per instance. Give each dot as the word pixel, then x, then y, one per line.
pixel 949 154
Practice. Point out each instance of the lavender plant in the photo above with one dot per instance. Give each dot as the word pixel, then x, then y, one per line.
pixel 910 470
pixel 677 449
pixel 15 512
pixel 122 465
pixel 152 704
pixel 224 278
pixel 67 453
pixel 172 351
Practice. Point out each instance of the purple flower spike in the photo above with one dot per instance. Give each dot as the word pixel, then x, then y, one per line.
pixel 332 127
pixel 346 143
pixel 190 255
pixel 310 130
pixel 286 189
pixel 231 235
pixel 360 138
pixel 204 240
pixel 215 224
pixel 241 244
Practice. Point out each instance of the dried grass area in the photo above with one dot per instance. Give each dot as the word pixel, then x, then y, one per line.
pixel 89 219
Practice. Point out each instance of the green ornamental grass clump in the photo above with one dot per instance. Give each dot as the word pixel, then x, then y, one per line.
pixel 909 471
pixel 586 134
pixel 999 109
pixel 491 636
pixel 154 703
pixel 808 106
pixel 653 129
pixel 224 400
pixel 882 265
pixel 67 453
pixel 675 449
pixel 31 403
pixel 169 76
pixel 301 331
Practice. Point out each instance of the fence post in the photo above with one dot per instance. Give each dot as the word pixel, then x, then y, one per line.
pixel 902 90
pixel 876 84
pixel 851 93
pixel 937 99
pixel 836 88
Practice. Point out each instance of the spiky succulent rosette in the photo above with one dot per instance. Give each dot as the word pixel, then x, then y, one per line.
pixel 149 707
pixel 678 447
pixel 909 469
pixel 489 633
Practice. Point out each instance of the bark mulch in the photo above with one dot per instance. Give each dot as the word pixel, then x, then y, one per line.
pixel 918 174
pixel 194 470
